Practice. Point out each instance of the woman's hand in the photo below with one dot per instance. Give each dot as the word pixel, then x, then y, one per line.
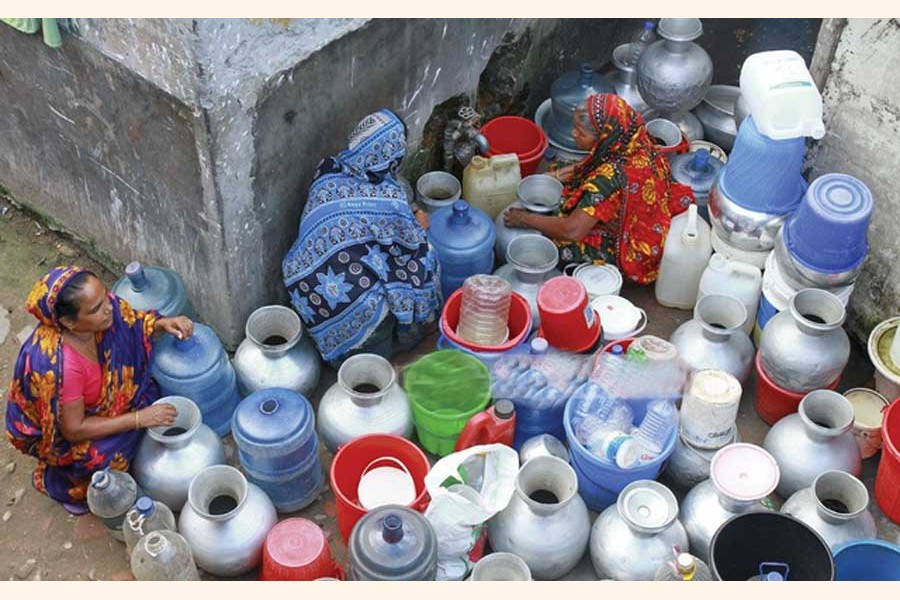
pixel 423 218
pixel 515 217
pixel 180 327
pixel 158 415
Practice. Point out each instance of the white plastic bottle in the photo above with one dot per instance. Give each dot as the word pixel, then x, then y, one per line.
pixel 733 278
pixel 685 256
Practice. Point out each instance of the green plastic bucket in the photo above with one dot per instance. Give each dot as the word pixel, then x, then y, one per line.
pixel 445 388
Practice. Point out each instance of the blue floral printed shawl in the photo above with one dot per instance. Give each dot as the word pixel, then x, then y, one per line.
pixel 361 254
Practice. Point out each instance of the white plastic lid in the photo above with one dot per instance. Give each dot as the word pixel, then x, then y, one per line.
pixel 744 472
pixel 627 454
pixel 714 386
pixel 617 315
pixel 386 485
pixel 600 280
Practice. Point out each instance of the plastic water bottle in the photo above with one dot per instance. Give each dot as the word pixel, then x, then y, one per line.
pixel 656 428
pixel 643 37
pixel 147 515
pixel 615 447
pixel 685 567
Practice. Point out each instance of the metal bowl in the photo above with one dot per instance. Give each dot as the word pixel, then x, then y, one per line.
pixel 800 276
pixel 540 193
pixel 716 112
pixel 741 227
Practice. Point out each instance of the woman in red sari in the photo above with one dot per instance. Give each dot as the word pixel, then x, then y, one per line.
pixel 81 390
pixel 617 202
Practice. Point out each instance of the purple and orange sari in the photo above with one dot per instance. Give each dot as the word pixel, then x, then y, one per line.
pixel 32 411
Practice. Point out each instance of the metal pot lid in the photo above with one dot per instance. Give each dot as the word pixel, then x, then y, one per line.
pixel 272 422
pixel 617 314
pixel 744 472
pixel 680 30
pixel 868 407
pixel 393 541
pixel 647 506
pixel 600 280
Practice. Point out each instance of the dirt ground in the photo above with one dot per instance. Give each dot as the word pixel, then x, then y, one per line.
pixel 39 540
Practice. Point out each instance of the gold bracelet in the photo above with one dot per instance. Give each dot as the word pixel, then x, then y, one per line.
pixel 137 419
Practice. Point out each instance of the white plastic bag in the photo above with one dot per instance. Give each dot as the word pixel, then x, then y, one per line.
pixel 467 488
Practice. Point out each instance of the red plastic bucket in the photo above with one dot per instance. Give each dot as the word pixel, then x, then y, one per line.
pixel 297 550
pixel 519 136
pixel 353 458
pixel 567 320
pixel 519 323
pixel 887 481
pixel 773 402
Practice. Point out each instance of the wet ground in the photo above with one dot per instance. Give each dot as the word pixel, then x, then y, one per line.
pixel 40 540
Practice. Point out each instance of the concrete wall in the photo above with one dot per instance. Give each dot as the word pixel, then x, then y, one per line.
pixel 862 116
pixel 191 143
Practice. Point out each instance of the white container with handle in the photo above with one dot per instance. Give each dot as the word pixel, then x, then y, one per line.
pixel 733 278
pixel 684 258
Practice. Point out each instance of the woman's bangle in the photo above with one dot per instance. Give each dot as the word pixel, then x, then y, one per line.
pixel 137 419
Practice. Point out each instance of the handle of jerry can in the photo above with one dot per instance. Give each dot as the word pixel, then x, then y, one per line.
pixel 469 435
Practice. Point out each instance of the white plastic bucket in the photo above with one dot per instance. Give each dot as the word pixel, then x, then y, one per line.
pixel 868 413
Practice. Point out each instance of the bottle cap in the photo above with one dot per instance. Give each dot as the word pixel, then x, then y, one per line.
pixel 504 409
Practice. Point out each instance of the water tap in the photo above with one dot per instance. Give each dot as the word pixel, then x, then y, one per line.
pixel 463 138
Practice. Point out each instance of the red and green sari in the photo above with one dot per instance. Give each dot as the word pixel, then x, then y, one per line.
pixel 32 410
pixel 626 184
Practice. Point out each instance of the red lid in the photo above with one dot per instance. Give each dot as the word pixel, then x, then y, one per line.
pixel 295 542
pixel 562 295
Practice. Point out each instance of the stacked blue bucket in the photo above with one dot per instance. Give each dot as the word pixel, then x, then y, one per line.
pixel 275 431
pixel 198 368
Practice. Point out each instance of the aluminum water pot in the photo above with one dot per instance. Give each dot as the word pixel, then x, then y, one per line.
pixel 632 539
pixel 546 522
pixel 815 439
pixel 531 260
pixel 226 520
pixel 689 465
pixel 505 235
pixel 836 506
pixel 625 80
pixel 714 338
pixel 805 348
pixel 366 399
pixel 168 457
pixel 741 478
pixel 276 353
pixel 674 73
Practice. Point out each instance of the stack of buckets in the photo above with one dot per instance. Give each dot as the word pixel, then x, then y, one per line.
pixel 823 241
pixel 519 136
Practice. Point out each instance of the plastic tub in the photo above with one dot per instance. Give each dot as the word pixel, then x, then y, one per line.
pixel 887 481
pixel 353 458
pixel 773 402
pixel 867 560
pixel 519 323
pixel 599 483
pixel 443 404
pixel 297 550
pixel 519 136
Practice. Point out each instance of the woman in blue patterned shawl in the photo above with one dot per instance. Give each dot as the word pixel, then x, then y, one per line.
pixel 361 273
pixel 81 388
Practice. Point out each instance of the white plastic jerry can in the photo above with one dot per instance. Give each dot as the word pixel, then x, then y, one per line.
pixel 733 278
pixel 685 255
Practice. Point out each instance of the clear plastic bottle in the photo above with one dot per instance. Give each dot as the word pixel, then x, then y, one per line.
pixel 656 428
pixel 615 447
pixel 163 556
pixel 642 38
pixel 147 515
pixel 685 567
pixel 109 496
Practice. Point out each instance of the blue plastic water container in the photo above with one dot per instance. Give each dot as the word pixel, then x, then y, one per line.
pixel 275 431
pixel 828 232
pixel 699 171
pixel 867 560
pixel 157 288
pixel 599 482
pixel 198 368
pixel 463 238
pixel 532 421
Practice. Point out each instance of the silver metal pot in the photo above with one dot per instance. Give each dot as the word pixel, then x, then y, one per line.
pixel 546 522
pixel 275 353
pixel 225 521
pixel 800 276
pixel 815 439
pixel 741 227
pixel 805 348
pixel 366 399
pixel 437 189
pixel 540 193
pixel 666 131
pixel 688 466
pixel 632 539
pixel 531 260
pixel 714 338
pixel 625 80
pixel 505 235
pixel 716 113
pixel 836 506
pixel 674 73
pixel 542 445
pixel 168 458
pixel 689 125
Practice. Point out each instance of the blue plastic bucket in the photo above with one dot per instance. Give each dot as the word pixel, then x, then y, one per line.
pixel 599 483
pixel 867 560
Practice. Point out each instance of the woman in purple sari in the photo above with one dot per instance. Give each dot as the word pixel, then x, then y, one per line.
pixel 81 390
